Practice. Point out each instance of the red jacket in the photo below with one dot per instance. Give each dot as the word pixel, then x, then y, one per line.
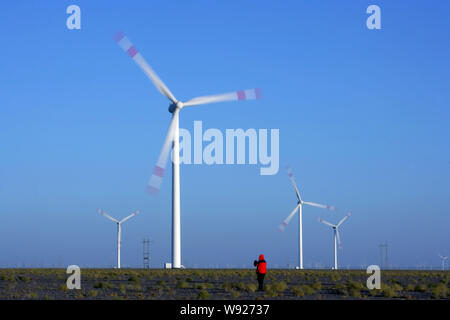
pixel 261 266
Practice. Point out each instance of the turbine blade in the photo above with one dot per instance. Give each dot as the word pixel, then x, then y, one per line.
pixel 107 215
pixel 338 239
pixel 131 50
pixel 249 94
pixel 130 216
pixel 289 217
pixel 318 205
pixel 343 219
pixel 327 223
pixel 291 176
pixel 158 172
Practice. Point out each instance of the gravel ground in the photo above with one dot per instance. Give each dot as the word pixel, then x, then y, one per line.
pixel 192 284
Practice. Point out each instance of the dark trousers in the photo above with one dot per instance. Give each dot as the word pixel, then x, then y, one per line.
pixel 260 277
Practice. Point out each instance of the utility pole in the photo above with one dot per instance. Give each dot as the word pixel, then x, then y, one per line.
pixel 381 256
pixel 386 261
pixel 146 253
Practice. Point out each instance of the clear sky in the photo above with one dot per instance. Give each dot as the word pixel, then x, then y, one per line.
pixel 363 118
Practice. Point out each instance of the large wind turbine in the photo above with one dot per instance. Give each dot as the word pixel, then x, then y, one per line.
pixel 336 237
pixel 172 138
pixel 443 258
pixel 299 208
pixel 119 230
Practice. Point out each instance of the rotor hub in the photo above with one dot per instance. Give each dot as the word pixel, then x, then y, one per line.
pixel 174 106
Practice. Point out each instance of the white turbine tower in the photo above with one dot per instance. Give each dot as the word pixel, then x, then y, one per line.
pixel 443 258
pixel 337 239
pixel 300 226
pixel 119 230
pixel 172 137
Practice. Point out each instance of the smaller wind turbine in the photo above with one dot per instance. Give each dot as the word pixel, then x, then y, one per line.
pixel 119 230
pixel 443 258
pixel 337 239
pixel 299 209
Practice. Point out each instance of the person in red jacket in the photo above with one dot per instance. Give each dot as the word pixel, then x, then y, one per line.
pixel 260 271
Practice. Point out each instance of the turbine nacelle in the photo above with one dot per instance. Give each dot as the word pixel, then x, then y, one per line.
pixel 174 106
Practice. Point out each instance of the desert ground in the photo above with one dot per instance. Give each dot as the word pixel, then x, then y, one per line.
pixel 219 284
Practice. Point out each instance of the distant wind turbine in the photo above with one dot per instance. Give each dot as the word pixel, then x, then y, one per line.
pixel 299 206
pixel 337 239
pixel 119 230
pixel 443 258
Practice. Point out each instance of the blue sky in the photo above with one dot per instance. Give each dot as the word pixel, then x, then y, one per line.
pixel 363 118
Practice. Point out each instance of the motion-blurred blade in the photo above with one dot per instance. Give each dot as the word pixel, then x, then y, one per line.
pixel 249 94
pixel 289 217
pixel 318 205
pixel 291 176
pixel 158 172
pixel 327 223
pixel 107 215
pixel 131 50
pixel 343 219
pixel 130 216
pixel 338 239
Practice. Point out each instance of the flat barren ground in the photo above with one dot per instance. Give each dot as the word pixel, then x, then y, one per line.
pixel 221 284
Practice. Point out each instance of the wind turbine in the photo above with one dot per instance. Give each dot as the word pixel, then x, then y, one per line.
pixel 172 139
pixel 299 207
pixel 119 230
pixel 336 236
pixel 443 258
